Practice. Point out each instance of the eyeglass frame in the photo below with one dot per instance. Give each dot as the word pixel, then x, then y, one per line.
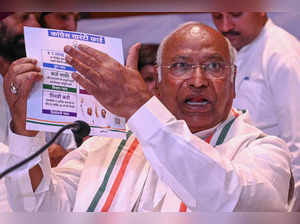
pixel 194 66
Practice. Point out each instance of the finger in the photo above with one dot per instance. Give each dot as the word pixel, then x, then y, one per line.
pixel 24 67
pixel 133 56
pixel 100 56
pixel 85 70
pixel 27 79
pixel 89 86
pixel 23 84
pixel 24 60
pixel 81 56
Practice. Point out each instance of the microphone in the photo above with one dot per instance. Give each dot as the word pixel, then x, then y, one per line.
pixel 81 129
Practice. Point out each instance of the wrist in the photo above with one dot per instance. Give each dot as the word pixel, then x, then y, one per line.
pixel 144 99
pixel 21 129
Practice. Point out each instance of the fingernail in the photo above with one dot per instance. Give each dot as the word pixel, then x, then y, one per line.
pixel 67 48
pixel 82 46
pixel 68 58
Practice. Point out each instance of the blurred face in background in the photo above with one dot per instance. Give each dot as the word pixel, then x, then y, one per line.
pixel 147 64
pixel 12 44
pixel 60 20
pixel 241 28
pixel 149 73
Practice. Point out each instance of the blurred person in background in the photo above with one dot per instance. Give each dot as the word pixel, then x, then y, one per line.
pixel 268 78
pixel 12 47
pixel 60 20
pixel 147 64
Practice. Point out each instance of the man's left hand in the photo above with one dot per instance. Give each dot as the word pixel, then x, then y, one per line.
pixel 120 89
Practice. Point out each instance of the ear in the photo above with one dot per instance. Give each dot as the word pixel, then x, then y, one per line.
pixel 156 91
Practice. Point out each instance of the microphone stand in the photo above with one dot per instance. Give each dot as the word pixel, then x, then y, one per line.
pixel 75 126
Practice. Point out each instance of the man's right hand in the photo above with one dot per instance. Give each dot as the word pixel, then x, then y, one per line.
pixel 22 74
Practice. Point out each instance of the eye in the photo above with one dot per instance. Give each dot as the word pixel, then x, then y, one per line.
pixel 236 14
pixel 25 16
pixel 214 67
pixel 149 79
pixel 63 16
pixel 217 16
pixel 180 66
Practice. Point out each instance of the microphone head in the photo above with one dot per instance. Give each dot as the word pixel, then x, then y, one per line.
pixel 81 129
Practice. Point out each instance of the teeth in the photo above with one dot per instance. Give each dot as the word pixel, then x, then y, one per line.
pixel 197 103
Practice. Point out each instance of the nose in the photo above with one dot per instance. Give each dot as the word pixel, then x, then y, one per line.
pixel 198 79
pixel 227 24
pixel 32 21
pixel 71 24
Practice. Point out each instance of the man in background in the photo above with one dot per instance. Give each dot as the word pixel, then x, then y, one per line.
pixel 12 47
pixel 268 77
pixel 60 20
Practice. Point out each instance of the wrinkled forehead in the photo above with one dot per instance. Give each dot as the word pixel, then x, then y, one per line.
pixel 198 40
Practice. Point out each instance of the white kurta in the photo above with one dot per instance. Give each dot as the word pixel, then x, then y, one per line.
pixel 249 172
pixel 268 86
pixel 4 206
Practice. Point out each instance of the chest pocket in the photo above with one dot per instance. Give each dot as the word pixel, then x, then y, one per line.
pixel 251 92
pixel 253 95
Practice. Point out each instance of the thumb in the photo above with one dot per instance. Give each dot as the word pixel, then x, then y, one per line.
pixel 133 56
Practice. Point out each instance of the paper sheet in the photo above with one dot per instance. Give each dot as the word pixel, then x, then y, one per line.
pixel 58 100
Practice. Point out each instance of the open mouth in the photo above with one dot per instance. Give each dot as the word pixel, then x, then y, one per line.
pixel 195 103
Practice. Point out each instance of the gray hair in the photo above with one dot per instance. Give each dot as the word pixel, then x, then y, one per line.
pixel 232 51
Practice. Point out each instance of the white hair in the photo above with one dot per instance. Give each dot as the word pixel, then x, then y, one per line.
pixel 231 49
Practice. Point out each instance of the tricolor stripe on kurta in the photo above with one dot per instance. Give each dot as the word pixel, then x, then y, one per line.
pixel 114 176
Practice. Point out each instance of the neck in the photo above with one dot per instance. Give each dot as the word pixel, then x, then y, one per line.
pixel 4 65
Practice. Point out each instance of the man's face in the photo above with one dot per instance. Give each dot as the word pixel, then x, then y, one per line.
pixel 12 45
pixel 149 73
pixel 201 101
pixel 62 20
pixel 241 28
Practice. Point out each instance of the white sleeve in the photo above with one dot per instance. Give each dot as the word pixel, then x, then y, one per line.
pixel 67 141
pixel 57 190
pixel 284 75
pixel 203 178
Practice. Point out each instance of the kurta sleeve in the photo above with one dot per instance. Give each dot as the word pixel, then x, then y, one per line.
pixel 255 177
pixel 57 189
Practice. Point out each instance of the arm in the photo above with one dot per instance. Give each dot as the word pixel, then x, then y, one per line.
pixel 57 188
pixel 256 179
pixel 215 182
pixel 52 190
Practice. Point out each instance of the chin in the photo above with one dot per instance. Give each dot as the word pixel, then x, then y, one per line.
pixel 199 126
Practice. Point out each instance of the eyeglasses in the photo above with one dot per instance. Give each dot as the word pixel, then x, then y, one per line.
pixel 212 70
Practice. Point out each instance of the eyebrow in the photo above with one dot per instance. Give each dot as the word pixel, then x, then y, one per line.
pixel 218 57
pixel 208 57
pixel 180 57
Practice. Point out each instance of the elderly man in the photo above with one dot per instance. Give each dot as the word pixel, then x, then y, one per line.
pixel 268 78
pixel 190 150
